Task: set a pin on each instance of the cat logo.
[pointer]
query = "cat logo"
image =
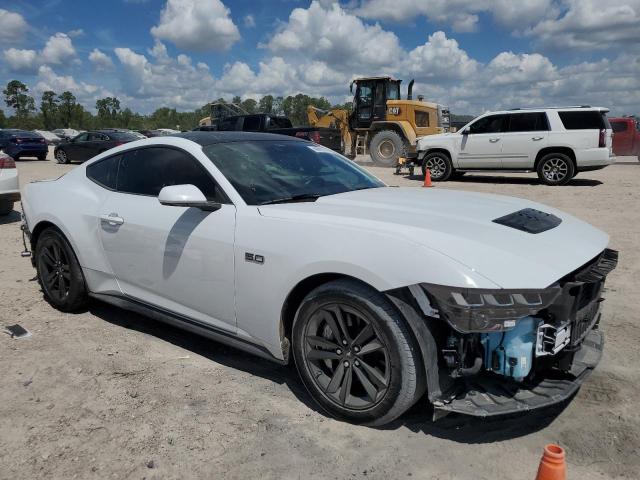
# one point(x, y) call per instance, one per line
point(393, 110)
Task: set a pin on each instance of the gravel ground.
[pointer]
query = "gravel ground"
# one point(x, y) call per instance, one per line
point(110, 394)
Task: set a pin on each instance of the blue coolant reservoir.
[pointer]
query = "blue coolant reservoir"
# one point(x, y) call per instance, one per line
point(511, 353)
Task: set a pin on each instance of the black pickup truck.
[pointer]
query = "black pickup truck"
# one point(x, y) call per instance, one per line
point(264, 122)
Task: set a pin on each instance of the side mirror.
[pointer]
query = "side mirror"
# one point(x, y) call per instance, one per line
point(186, 196)
point(464, 131)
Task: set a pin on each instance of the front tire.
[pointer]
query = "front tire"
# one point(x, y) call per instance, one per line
point(355, 353)
point(61, 156)
point(59, 272)
point(439, 165)
point(386, 148)
point(556, 169)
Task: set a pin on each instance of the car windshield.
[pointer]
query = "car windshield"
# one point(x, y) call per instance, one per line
point(275, 171)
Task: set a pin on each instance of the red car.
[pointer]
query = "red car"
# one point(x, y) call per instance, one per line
point(626, 136)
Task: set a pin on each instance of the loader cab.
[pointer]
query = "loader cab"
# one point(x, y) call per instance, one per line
point(370, 100)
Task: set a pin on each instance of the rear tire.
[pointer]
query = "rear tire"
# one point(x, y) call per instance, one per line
point(440, 166)
point(386, 147)
point(59, 273)
point(333, 327)
point(61, 156)
point(555, 169)
point(6, 207)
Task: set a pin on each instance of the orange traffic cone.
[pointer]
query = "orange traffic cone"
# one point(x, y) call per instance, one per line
point(552, 465)
point(427, 178)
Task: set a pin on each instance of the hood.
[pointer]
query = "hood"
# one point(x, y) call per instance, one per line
point(459, 225)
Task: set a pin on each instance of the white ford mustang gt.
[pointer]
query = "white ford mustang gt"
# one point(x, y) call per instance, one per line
point(485, 304)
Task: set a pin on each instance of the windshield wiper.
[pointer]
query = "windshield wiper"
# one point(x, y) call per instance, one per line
point(303, 197)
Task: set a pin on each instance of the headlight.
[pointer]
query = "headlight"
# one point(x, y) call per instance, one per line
point(480, 310)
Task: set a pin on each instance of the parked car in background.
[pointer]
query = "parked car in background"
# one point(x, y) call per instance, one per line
point(489, 304)
point(89, 144)
point(626, 136)
point(263, 122)
point(153, 133)
point(23, 143)
point(9, 186)
point(50, 137)
point(557, 143)
point(66, 133)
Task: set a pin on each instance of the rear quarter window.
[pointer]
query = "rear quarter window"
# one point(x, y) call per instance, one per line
point(587, 120)
point(105, 172)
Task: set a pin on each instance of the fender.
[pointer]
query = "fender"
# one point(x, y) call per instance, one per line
point(404, 126)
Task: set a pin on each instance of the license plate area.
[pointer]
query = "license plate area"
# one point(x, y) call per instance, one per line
point(552, 339)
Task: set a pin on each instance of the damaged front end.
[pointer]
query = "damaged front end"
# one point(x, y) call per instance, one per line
point(504, 351)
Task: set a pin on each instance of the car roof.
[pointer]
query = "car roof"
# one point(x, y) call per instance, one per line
point(577, 108)
point(209, 138)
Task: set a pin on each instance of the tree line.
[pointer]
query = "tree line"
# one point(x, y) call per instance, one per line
point(62, 110)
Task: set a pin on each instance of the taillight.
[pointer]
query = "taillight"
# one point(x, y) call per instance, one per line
point(602, 140)
point(6, 162)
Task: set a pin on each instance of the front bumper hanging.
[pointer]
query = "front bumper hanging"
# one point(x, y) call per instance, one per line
point(489, 395)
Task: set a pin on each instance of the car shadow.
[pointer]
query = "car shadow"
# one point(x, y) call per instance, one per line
point(210, 349)
point(575, 182)
point(11, 217)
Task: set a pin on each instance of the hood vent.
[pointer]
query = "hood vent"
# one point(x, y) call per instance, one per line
point(529, 220)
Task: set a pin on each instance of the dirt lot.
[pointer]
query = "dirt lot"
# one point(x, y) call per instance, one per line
point(109, 394)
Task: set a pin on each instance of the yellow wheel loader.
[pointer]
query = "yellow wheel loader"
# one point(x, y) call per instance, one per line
point(380, 122)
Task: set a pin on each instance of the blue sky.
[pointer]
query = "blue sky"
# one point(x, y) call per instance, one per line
point(471, 55)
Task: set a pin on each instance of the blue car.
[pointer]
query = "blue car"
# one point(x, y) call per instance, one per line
point(22, 143)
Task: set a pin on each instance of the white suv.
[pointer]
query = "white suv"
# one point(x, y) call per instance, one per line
point(557, 143)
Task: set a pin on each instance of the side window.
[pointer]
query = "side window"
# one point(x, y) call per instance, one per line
point(365, 94)
point(105, 172)
point(82, 137)
point(528, 122)
point(251, 123)
point(146, 171)
point(488, 124)
point(619, 127)
point(583, 120)
point(380, 94)
point(228, 124)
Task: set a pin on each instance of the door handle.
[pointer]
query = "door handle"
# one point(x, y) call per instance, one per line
point(494, 140)
point(112, 219)
point(535, 139)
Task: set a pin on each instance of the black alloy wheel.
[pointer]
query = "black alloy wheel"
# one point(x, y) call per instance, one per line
point(59, 272)
point(356, 354)
point(349, 360)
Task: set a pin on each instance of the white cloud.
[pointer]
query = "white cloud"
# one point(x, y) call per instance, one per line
point(440, 58)
point(332, 35)
point(197, 25)
point(461, 15)
point(21, 60)
point(85, 93)
point(163, 81)
point(590, 24)
point(100, 60)
point(58, 50)
point(12, 27)
point(249, 21)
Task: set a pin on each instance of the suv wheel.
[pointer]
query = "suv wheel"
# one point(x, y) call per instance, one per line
point(439, 165)
point(386, 147)
point(59, 272)
point(555, 169)
point(61, 156)
point(355, 354)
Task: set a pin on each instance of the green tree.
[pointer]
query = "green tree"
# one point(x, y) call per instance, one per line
point(249, 105)
point(49, 109)
point(265, 105)
point(108, 111)
point(67, 108)
point(16, 96)
point(3, 119)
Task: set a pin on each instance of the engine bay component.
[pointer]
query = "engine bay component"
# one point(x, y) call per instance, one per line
point(551, 339)
point(510, 353)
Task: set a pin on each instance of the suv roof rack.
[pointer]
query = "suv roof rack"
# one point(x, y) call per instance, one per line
point(550, 108)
